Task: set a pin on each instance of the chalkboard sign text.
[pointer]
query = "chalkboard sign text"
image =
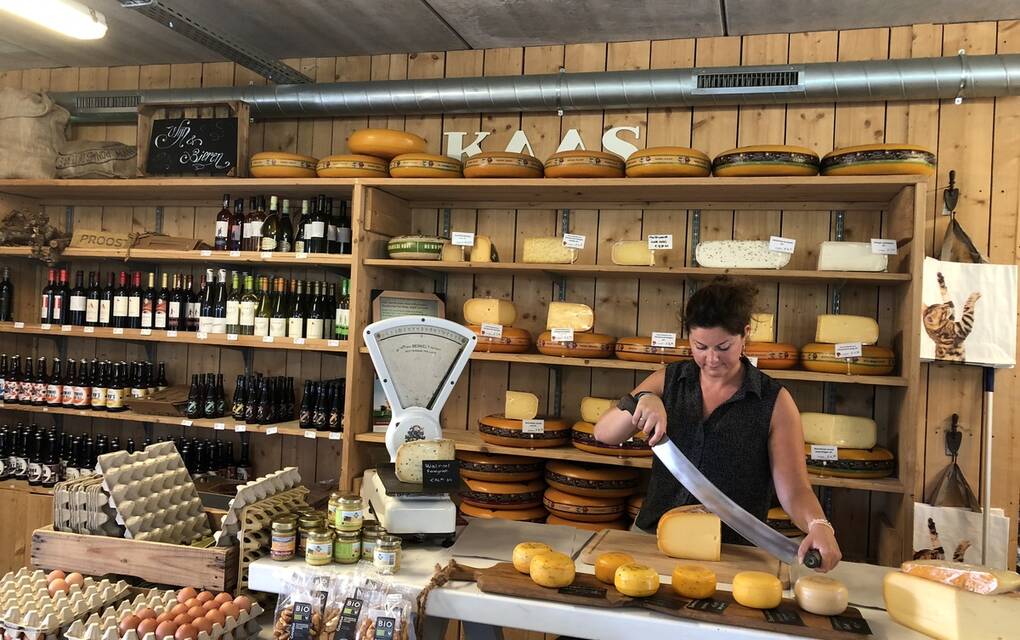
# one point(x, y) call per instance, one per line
point(192, 145)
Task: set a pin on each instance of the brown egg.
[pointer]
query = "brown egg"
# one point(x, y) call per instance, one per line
point(243, 602)
point(186, 594)
point(130, 621)
point(58, 585)
point(202, 625)
point(230, 610)
point(75, 578)
point(183, 619)
point(178, 609)
point(192, 602)
point(216, 617)
point(147, 625)
point(53, 575)
point(223, 597)
point(145, 614)
point(196, 612)
point(165, 630)
point(186, 632)
point(205, 596)
point(166, 616)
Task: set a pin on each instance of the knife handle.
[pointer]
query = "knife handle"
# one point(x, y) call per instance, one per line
point(812, 559)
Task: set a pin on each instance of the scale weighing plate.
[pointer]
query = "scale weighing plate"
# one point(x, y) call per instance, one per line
point(397, 489)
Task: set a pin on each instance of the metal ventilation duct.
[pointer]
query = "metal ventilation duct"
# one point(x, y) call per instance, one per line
point(912, 79)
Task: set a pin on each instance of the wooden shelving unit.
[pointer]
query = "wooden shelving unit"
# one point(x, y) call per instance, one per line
point(201, 256)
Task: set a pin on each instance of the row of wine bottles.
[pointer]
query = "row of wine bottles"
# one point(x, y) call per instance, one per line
point(257, 399)
point(322, 405)
point(97, 385)
point(320, 227)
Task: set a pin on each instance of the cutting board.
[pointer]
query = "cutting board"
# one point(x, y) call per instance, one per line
point(643, 548)
point(586, 590)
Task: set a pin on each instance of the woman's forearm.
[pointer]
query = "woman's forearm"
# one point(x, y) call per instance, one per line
point(802, 506)
point(615, 426)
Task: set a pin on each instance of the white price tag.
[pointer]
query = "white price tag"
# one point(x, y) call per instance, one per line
point(118, 331)
point(240, 428)
point(90, 329)
point(782, 245)
point(146, 332)
point(201, 335)
point(753, 360)
point(171, 334)
point(186, 423)
point(332, 343)
point(300, 256)
point(562, 335)
point(66, 327)
point(659, 241)
point(663, 339)
point(219, 426)
point(205, 253)
point(462, 239)
point(533, 426)
point(267, 338)
point(266, 254)
point(46, 409)
point(334, 435)
point(299, 340)
point(883, 246)
point(272, 431)
point(19, 325)
point(573, 241)
point(827, 452)
point(310, 434)
point(46, 327)
point(235, 254)
point(491, 330)
point(231, 337)
point(849, 350)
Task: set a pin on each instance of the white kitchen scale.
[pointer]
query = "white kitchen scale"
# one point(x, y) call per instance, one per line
point(418, 360)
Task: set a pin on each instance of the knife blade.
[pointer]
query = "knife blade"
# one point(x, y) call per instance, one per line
point(738, 519)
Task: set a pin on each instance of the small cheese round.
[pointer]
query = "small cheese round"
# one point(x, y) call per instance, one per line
point(757, 590)
point(694, 581)
point(552, 569)
point(821, 595)
point(525, 551)
point(636, 580)
point(607, 563)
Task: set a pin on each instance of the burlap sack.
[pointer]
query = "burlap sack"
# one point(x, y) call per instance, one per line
point(32, 131)
point(96, 159)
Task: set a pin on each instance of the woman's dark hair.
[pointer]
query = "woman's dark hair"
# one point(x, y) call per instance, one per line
point(725, 303)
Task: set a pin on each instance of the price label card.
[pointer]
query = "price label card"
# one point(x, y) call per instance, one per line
point(335, 435)
point(783, 616)
point(201, 335)
point(205, 253)
point(299, 340)
point(533, 426)
point(118, 331)
point(826, 452)
point(46, 409)
point(19, 325)
point(267, 338)
point(272, 431)
point(490, 330)
point(849, 350)
point(663, 339)
point(333, 343)
point(782, 245)
point(884, 246)
point(301, 256)
point(385, 628)
point(231, 337)
point(301, 623)
point(573, 241)
point(171, 334)
point(708, 604)
point(310, 434)
point(146, 332)
point(219, 426)
point(753, 360)
point(347, 628)
point(240, 428)
point(562, 335)
point(583, 591)
point(462, 239)
point(235, 254)
point(66, 327)
point(265, 255)
point(660, 241)
point(186, 423)
point(851, 625)
point(90, 329)
point(440, 474)
point(46, 327)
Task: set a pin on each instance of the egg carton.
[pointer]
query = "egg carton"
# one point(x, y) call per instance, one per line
point(255, 536)
point(82, 506)
point(28, 611)
point(97, 624)
point(250, 493)
point(153, 495)
point(106, 627)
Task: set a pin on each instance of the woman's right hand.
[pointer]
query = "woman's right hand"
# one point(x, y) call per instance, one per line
point(650, 417)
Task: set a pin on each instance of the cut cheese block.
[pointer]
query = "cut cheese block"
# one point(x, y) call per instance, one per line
point(452, 253)
point(385, 143)
point(547, 250)
point(411, 454)
point(584, 164)
point(853, 463)
point(850, 256)
point(497, 468)
point(879, 159)
point(505, 432)
point(424, 165)
point(640, 349)
point(584, 345)
point(483, 251)
point(766, 160)
point(520, 405)
point(502, 164)
point(668, 162)
point(596, 481)
point(583, 437)
point(633, 253)
point(634, 504)
point(970, 577)
point(781, 522)
point(853, 432)
point(503, 495)
point(489, 310)
point(570, 315)
point(739, 254)
point(691, 533)
point(947, 613)
point(352, 166)
point(525, 551)
point(607, 563)
point(552, 569)
point(415, 247)
point(757, 590)
point(875, 361)
point(821, 595)
point(593, 408)
point(845, 328)
point(513, 340)
point(694, 581)
point(535, 514)
point(636, 580)
point(763, 327)
point(582, 508)
point(279, 164)
point(618, 525)
point(772, 355)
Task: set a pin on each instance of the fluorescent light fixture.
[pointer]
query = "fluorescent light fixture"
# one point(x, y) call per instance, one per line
point(63, 16)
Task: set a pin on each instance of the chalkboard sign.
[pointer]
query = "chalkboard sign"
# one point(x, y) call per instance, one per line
point(439, 474)
point(192, 145)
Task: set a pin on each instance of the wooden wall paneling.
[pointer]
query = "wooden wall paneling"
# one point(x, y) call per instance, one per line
point(392, 66)
point(12, 550)
point(91, 79)
point(125, 77)
point(347, 69)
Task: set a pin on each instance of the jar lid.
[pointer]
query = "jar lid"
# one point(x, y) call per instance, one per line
point(350, 498)
point(388, 540)
point(335, 495)
point(284, 523)
point(321, 535)
point(348, 536)
point(312, 521)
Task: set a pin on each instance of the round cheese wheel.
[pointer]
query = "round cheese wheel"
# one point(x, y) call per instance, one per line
point(583, 437)
point(606, 565)
point(821, 357)
point(385, 143)
point(773, 355)
point(352, 166)
point(640, 349)
point(821, 595)
point(584, 164)
point(506, 432)
point(496, 468)
point(853, 463)
point(757, 590)
point(503, 495)
point(597, 481)
point(582, 508)
point(525, 551)
point(879, 159)
point(617, 525)
point(279, 164)
point(552, 569)
point(694, 581)
point(425, 165)
point(534, 514)
point(636, 580)
point(585, 345)
point(415, 247)
point(668, 162)
point(781, 522)
point(513, 340)
point(502, 164)
point(766, 160)
point(634, 504)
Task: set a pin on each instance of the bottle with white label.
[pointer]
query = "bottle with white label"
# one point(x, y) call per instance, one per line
point(159, 320)
point(76, 304)
point(135, 301)
point(92, 301)
point(120, 303)
point(278, 314)
point(234, 304)
point(296, 319)
point(315, 324)
point(223, 225)
point(263, 312)
point(219, 317)
point(249, 302)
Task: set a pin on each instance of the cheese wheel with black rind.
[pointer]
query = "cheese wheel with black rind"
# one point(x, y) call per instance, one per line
point(584, 164)
point(582, 508)
point(279, 164)
point(503, 164)
point(773, 355)
point(415, 247)
point(583, 437)
point(668, 162)
point(853, 463)
point(499, 468)
point(425, 165)
point(513, 340)
point(352, 166)
point(503, 495)
point(597, 481)
point(634, 504)
point(640, 349)
point(766, 160)
point(535, 514)
point(498, 430)
point(879, 159)
point(617, 525)
point(874, 360)
point(584, 345)
point(385, 143)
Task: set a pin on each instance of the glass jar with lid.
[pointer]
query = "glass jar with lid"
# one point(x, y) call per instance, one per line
point(349, 513)
point(307, 523)
point(347, 547)
point(334, 500)
point(284, 539)
point(319, 547)
point(369, 538)
point(387, 555)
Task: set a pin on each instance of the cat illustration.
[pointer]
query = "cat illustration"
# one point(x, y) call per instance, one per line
point(940, 323)
point(937, 552)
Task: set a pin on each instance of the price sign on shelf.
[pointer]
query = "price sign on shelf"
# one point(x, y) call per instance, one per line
point(533, 426)
point(219, 426)
point(562, 335)
point(335, 435)
point(782, 245)
point(660, 241)
point(490, 330)
point(171, 334)
point(240, 428)
point(118, 331)
point(663, 339)
point(825, 452)
point(310, 435)
point(272, 431)
point(462, 239)
point(883, 246)
point(89, 329)
point(849, 350)
point(573, 241)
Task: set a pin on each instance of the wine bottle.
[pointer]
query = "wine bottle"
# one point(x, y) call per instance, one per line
point(46, 308)
point(235, 238)
point(193, 305)
point(161, 382)
point(209, 401)
point(264, 406)
point(173, 307)
point(289, 399)
point(219, 304)
point(251, 399)
point(284, 230)
point(34, 471)
point(336, 408)
point(12, 383)
point(77, 302)
point(296, 321)
point(55, 385)
point(115, 392)
point(221, 397)
point(61, 300)
point(331, 220)
point(222, 233)
point(263, 313)
point(343, 229)
point(92, 297)
point(249, 302)
point(315, 228)
point(205, 319)
point(135, 301)
point(320, 416)
point(316, 317)
point(106, 302)
point(100, 383)
point(329, 306)
point(234, 304)
point(6, 297)
point(40, 383)
point(121, 306)
point(159, 320)
point(244, 469)
point(237, 406)
point(252, 209)
point(270, 227)
point(148, 316)
point(195, 401)
point(343, 310)
point(27, 385)
point(278, 314)
point(50, 472)
point(67, 388)
point(300, 246)
point(82, 388)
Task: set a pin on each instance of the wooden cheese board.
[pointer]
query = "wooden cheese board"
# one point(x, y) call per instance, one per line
point(586, 590)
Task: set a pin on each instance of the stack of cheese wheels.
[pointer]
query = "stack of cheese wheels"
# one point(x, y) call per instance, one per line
point(762, 348)
point(502, 164)
point(584, 164)
point(352, 166)
point(853, 438)
point(668, 162)
point(766, 160)
point(399, 153)
point(569, 333)
point(491, 319)
point(589, 496)
point(833, 330)
point(279, 164)
point(519, 425)
point(640, 349)
point(505, 476)
point(779, 520)
point(583, 432)
point(879, 159)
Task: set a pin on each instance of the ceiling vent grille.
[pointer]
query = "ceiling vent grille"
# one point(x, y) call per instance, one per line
point(100, 102)
point(748, 81)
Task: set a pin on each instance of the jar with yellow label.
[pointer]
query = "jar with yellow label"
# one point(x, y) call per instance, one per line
point(349, 513)
point(347, 547)
point(369, 538)
point(334, 500)
point(387, 555)
point(307, 523)
point(319, 547)
point(284, 539)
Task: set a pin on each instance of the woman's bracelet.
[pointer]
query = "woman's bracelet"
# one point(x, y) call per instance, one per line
point(823, 522)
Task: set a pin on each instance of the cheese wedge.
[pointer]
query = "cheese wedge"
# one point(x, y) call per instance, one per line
point(971, 577)
point(521, 405)
point(821, 595)
point(633, 253)
point(483, 251)
point(850, 256)
point(549, 250)
point(489, 310)
point(842, 431)
point(757, 590)
point(452, 253)
point(593, 408)
point(570, 315)
point(691, 533)
point(411, 454)
point(833, 329)
point(763, 327)
point(739, 254)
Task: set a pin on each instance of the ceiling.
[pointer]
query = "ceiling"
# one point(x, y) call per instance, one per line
point(314, 28)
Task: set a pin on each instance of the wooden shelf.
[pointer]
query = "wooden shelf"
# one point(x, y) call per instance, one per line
point(211, 190)
point(23, 487)
point(471, 441)
point(202, 256)
point(185, 337)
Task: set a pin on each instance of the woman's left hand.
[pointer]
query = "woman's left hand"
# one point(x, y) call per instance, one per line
point(821, 538)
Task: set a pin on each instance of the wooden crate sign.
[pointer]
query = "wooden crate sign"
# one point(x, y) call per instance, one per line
point(208, 139)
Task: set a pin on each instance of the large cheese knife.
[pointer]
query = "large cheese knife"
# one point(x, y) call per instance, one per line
point(753, 529)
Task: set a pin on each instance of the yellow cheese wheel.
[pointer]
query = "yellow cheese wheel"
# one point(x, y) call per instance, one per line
point(513, 340)
point(385, 143)
point(821, 595)
point(352, 166)
point(552, 569)
point(505, 432)
point(584, 164)
point(766, 160)
point(497, 468)
point(279, 164)
point(879, 159)
point(694, 581)
point(640, 349)
point(597, 481)
point(636, 580)
point(584, 345)
point(821, 357)
point(668, 162)
point(583, 437)
point(534, 514)
point(525, 551)
point(773, 355)
point(503, 495)
point(582, 508)
point(606, 565)
point(425, 165)
point(618, 525)
point(757, 590)
point(853, 463)
point(502, 164)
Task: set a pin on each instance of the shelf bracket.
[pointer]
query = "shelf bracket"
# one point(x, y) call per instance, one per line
point(557, 390)
point(561, 281)
point(692, 285)
point(69, 219)
point(442, 278)
point(159, 220)
point(839, 237)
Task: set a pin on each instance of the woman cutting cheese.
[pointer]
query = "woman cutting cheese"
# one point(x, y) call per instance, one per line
point(740, 427)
